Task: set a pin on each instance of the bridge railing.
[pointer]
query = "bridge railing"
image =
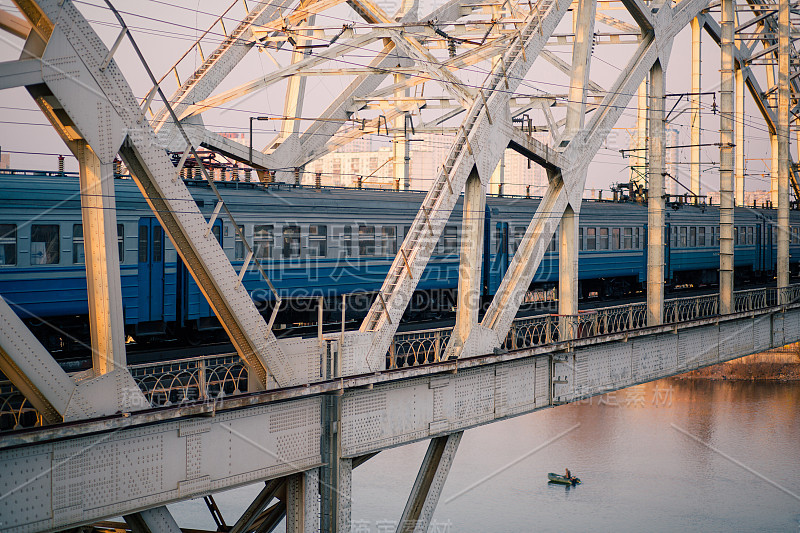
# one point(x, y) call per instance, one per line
point(210, 377)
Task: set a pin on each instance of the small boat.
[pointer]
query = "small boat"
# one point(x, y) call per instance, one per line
point(556, 478)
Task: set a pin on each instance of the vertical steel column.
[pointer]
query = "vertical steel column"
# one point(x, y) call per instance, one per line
point(655, 199)
point(302, 502)
point(694, 157)
point(782, 111)
point(584, 17)
point(336, 474)
point(581, 57)
point(99, 215)
point(739, 149)
point(429, 483)
point(773, 170)
point(726, 116)
point(295, 90)
point(568, 264)
point(469, 271)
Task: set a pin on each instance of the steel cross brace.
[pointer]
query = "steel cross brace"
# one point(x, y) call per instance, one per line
point(105, 112)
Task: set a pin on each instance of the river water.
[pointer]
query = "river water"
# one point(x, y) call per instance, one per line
point(671, 455)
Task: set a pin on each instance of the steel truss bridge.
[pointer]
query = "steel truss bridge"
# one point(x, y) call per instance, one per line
point(111, 445)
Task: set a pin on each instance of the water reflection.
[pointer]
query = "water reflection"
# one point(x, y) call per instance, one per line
point(638, 468)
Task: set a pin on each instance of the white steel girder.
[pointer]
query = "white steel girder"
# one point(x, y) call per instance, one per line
point(183, 452)
point(479, 145)
point(104, 111)
point(429, 483)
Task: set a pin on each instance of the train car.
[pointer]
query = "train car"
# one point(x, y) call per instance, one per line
point(329, 242)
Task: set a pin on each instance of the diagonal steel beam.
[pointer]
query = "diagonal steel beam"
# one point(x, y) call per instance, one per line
point(481, 128)
point(102, 106)
point(221, 62)
point(567, 189)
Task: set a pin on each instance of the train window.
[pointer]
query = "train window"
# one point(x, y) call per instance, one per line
point(263, 241)
point(8, 244)
point(519, 233)
point(554, 242)
point(603, 244)
point(627, 238)
point(450, 238)
point(591, 239)
point(682, 237)
point(750, 239)
point(498, 231)
point(77, 244)
point(291, 242)
point(637, 237)
point(701, 236)
point(158, 244)
point(121, 242)
point(693, 236)
point(45, 244)
point(388, 240)
point(143, 243)
point(238, 247)
point(615, 239)
point(674, 238)
point(366, 240)
point(318, 241)
point(580, 238)
point(347, 241)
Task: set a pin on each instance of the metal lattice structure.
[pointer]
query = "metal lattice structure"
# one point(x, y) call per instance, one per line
point(470, 65)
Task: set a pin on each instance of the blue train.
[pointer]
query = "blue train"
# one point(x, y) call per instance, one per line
point(327, 242)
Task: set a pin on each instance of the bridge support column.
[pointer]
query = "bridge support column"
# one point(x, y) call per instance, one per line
point(655, 199)
point(784, 104)
point(469, 271)
point(694, 157)
point(98, 209)
point(429, 483)
point(739, 150)
point(302, 502)
point(336, 474)
point(568, 264)
point(726, 115)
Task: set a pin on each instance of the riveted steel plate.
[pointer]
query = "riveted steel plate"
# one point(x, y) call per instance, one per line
point(777, 330)
point(762, 333)
point(515, 387)
point(791, 326)
point(654, 356)
point(385, 416)
point(542, 390)
point(697, 348)
point(735, 339)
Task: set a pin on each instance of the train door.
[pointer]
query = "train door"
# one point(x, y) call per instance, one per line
point(192, 306)
point(151, 270)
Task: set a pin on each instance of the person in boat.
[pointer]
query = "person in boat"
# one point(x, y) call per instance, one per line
point(568, 474)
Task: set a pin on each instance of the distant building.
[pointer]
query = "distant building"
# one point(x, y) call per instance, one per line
point(5, 160)
point(372, 162)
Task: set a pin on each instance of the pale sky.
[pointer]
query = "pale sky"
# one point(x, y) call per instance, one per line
point(165, 30)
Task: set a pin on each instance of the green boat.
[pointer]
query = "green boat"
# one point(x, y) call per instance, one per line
point(556, 478)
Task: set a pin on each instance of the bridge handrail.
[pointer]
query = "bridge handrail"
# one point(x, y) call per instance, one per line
point(213, 376)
